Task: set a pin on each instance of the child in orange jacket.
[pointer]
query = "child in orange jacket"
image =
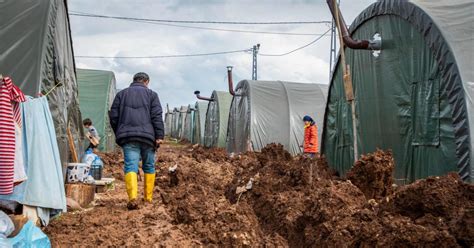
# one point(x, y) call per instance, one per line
point(310, 146)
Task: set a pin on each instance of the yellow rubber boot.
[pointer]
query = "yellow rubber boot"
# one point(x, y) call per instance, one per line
point(131, 184)
point(149, 186)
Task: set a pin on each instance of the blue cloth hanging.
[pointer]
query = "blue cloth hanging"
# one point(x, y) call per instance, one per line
point(45, 185)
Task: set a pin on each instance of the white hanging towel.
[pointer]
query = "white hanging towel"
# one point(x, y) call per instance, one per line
point(19, 165)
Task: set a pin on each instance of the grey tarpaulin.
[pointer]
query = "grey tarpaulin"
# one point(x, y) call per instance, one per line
point(36, 51)
point(168, 117)
point(199, 122)
point(168, 121)
point(175, 123)
point(423, 81)
point(264, 112)
point(189, 124)
point(181, 119)
point(217, 116)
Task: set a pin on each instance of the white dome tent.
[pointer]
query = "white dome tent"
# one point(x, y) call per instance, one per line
point(264, 112)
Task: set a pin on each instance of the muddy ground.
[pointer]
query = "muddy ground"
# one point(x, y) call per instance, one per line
point(271, 199)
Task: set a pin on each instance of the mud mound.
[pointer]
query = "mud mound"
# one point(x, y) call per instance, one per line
point(273, 152)
point(270, 199)
point(364, 228)
point(443, 202)
point(197, 204)
point(372, 173)
point(214, 154)
point(298, 215)
point(331, 212)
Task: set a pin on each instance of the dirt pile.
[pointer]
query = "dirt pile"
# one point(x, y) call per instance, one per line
point(332, 212)
point(272, 199)
point(201, 154)
point(372, 173)
point(444, 203)
point(197, 204)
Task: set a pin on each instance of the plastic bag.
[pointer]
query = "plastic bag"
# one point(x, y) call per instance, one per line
point(29, 236)
point(89, 157)
point(6, 225)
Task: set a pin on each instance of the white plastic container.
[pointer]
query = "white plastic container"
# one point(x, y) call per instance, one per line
point(77, 172)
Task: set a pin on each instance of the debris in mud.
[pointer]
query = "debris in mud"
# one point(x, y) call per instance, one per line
point(372, 173)
point(173, 175)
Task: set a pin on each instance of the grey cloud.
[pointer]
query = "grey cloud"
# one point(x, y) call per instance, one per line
point(176, 79)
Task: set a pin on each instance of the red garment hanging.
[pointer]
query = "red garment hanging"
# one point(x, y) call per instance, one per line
point(9, 94)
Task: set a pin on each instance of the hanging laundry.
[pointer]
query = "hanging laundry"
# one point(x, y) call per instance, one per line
point(8, 93)
point(19, 165)
point(45, 185)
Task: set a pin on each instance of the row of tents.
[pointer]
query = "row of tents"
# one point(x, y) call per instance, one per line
point(256, 114)
point(414, 97)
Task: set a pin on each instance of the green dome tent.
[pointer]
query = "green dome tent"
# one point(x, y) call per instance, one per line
point(217, 116)
point(264, 112)
point(36, 52)
point(97, 90)
point(415, 97)
point(199, 122)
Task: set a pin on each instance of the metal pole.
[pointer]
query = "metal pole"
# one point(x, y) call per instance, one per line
point(254, 61)
point(332, 54)
point(348, 88)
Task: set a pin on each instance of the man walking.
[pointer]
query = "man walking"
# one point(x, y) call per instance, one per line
point(136, 118)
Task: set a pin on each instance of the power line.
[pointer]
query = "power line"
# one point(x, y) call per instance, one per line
point(203, 54)
point(72, 13)
point(165, 56)
point(299, 48)
point(220, 29)
point(229, 30)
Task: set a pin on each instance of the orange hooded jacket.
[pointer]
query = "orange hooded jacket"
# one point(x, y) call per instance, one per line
point(311, 139)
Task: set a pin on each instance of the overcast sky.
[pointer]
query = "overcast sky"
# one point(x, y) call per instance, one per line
point(175, 79)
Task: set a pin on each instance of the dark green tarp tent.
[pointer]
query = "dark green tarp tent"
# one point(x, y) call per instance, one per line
point(415, 97)
point(97, 90)
point(36, 52)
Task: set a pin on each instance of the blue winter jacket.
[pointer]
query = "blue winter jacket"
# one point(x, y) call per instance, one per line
point(136, 115)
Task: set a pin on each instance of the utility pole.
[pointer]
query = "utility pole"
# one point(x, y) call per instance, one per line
point(332, 55)
point(254, 64)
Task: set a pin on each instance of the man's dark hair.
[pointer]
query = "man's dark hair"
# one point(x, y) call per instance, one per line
point(141, 77)
point(87, 122)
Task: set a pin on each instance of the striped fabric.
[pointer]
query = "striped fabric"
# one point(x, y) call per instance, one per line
point(8, 93)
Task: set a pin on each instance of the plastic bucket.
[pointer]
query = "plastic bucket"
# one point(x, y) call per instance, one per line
point(96, 172)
